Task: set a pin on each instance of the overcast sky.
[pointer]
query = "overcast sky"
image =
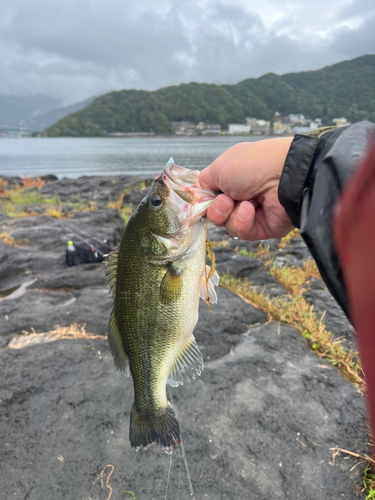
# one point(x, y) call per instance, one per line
point(74, 49)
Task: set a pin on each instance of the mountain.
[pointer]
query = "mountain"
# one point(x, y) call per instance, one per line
point(344, 89)
point(43, 120)
point(15, 110)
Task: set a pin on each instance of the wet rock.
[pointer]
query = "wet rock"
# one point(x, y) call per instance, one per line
point(135, 197)
point(260, 421)
point(97, 189)
point(229, 317)
point(294, 254)
point(218, 234)
point(42, 310)
point(334, 318)
point(48, 233)
point(235, 264)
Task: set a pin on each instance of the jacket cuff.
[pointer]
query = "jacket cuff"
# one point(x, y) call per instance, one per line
point(294, 175)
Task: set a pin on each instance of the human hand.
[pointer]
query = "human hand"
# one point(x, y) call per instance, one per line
point(248, 175)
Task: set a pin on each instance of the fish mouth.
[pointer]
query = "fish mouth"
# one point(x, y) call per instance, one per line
point(184, 183)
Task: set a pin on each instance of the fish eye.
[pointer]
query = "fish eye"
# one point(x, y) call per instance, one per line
point(156, 201)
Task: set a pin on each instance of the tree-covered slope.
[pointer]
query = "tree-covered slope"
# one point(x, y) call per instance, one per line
point(344, 89)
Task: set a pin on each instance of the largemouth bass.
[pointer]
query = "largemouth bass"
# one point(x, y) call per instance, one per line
point(157, 277)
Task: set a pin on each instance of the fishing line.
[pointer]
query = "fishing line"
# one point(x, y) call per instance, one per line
point(182, 450)
point(76, 233)
point(169, 473)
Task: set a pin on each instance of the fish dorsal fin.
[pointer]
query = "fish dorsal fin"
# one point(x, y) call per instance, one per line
point(111, 271)
point(187, 365)
point(115, 344)
point(171, 160)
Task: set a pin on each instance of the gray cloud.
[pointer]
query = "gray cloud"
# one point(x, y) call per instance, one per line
point(79, 48)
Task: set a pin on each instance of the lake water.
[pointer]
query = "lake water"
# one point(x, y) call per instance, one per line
point(74, 157)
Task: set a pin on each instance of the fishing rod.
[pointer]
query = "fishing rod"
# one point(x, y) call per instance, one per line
point(76, 233)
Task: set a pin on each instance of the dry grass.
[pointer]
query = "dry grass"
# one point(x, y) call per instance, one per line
point(28, 183)
point(74, 331)
point(298, 313)
point(219, 244)
point(57, 213)
point(125, 213)
point(293, 234)
point(118, 203)
point(262, 252)
point(295, 278)
point(7, 239)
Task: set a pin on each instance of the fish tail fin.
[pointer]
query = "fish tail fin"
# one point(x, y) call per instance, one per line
point(162, 429)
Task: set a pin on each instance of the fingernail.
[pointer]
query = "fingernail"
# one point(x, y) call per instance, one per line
point(243, 211)
point(221, 206)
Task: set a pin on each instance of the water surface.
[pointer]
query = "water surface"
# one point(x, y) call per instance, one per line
point(74, 157)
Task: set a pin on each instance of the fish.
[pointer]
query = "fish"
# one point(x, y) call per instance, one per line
point(157, 277)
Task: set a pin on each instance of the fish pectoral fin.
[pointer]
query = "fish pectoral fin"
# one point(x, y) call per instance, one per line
point(207, 290)
point(188, 364)
point(111, 271)
point(171, 285)
point(115, 344)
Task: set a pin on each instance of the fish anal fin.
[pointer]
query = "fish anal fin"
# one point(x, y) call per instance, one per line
point(171, 285)
point(111, 271)
point(115, 344)
point(187, 365)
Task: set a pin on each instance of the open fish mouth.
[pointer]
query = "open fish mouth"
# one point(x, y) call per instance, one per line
point(184, 183)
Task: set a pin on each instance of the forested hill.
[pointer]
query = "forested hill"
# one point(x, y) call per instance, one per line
point(344, 89)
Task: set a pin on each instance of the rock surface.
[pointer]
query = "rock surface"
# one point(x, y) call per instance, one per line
point(258, 424)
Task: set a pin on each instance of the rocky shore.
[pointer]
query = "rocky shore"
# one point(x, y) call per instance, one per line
point(263, 421)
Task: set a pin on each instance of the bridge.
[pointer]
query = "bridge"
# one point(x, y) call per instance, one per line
point(16, 130)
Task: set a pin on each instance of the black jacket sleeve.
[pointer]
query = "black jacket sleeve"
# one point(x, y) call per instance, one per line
point(315, 173)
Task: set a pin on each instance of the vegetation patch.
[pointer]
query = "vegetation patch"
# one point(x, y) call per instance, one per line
point(294, 278)
point(285, 241)
point(298, 313)
point(262, 252)
point(7, 239)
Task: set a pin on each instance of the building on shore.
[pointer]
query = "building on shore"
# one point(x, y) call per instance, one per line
point(183, 128)
point(238, 129)
point(258, 127)
point(282, 128)
point(300, 129)
point(341, 122)
point(208, 128)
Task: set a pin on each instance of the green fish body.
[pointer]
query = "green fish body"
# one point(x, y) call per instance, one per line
point(157, 277)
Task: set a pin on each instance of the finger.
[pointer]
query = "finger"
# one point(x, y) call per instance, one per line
point(220, 209)
point(209, 178)
point(242, 223)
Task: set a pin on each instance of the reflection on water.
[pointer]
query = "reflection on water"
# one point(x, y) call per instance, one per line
point(73, 157)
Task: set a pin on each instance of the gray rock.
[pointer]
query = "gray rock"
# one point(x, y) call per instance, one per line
point(294, 254)
point(235, 264)
point(217, 233)
point(64, 415)
point(334, 318)
point(231, 317)
point(99, 189)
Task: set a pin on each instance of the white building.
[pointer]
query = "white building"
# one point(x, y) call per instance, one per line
point(341, 122)
point(305, 130)
point(258, 127)
point(238, 129)
point(183, 128)
point(208, 128)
